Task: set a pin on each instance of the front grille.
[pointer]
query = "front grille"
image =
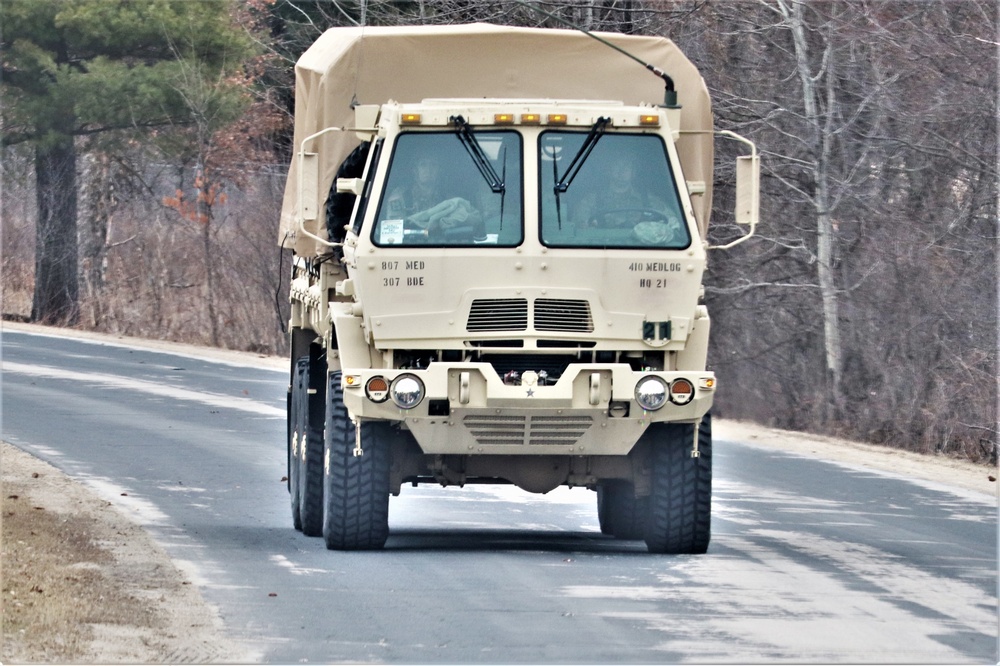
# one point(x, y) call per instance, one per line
point(548, 430)
point(498, 314)
point(553, 314)
point(497, 430)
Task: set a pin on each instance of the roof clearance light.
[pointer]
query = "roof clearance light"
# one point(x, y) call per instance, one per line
point(557, 119)
point(531, 119)
point(650, 119)
point(503, 119)
point(410, 119)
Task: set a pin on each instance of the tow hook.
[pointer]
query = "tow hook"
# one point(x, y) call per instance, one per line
point(358, 451)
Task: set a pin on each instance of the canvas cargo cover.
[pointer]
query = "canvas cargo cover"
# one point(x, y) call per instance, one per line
point(373, 65)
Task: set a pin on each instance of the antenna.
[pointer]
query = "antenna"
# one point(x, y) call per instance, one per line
point(669, 93)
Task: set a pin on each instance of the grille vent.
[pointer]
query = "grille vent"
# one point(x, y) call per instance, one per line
point(497, 430)
point(553, 314)
point(498, 314)
point(490, 430)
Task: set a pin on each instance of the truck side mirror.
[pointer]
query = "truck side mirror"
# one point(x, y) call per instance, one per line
point(748, 189)
point(309, 194)
point(309, 185)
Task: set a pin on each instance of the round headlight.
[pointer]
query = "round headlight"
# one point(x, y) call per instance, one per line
point(651, 393)
point(681, 391)
point(407, 391)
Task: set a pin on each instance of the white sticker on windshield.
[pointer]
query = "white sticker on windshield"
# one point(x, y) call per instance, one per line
point(391, 232)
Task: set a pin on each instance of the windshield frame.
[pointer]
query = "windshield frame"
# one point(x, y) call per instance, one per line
point(512, 197)
point(554, 224)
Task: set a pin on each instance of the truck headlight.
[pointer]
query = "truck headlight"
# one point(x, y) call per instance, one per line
point(651, 393)
point(407, 391)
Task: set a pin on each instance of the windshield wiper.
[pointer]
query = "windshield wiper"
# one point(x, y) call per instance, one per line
point(471, 144)
point(595, 134)
point(562, 184)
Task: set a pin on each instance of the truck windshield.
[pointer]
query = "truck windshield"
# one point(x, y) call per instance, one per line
point(435, 194)
point(623, 196)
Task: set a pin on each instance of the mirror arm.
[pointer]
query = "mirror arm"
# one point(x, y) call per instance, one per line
point(302, 216)
point(753, 159)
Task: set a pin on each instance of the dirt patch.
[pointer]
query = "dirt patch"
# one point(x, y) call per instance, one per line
point(83, 584)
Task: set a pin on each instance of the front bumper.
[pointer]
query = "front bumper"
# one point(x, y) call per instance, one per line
point(467, 409)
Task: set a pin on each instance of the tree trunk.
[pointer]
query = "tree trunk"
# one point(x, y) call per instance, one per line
point(56, 297)
point(213, 321)
point(826, 253)
point(821, 144)
point(97, 194)
point(204, 217)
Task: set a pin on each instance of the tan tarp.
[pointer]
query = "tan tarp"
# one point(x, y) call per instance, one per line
point(373, 65)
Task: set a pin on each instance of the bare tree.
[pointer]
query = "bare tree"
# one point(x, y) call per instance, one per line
point(880, 189)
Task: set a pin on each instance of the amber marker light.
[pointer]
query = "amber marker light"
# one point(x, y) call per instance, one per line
point(557, 119)
point(410, 119)
point(531, 119)
point(650, 119)
point(503, 119)
point(377, 389)
point(681, 391)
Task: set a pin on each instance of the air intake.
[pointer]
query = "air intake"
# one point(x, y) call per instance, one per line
point(569, 316)
point(498, 314)
point(497, 430)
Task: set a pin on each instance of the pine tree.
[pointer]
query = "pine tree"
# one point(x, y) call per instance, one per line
point(74, 68)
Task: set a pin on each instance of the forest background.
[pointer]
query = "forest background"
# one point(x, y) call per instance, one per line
point(145, 145)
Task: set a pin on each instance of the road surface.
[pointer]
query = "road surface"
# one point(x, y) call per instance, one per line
point(810, 561)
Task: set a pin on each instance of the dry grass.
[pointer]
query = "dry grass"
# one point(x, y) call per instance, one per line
point(83, 584)
point(55, 588)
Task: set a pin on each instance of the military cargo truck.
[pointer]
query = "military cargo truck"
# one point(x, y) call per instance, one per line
point(499, 240)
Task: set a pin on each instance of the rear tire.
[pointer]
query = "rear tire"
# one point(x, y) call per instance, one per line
point(297, 419)
point(311, 452)
point(356, 489)
point(620, 513)
point(679, 514)
point(305, 446)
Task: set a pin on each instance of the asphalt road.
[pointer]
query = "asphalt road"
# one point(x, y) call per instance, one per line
point(810, 561)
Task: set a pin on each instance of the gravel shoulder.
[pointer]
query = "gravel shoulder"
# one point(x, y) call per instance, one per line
point(84, 584)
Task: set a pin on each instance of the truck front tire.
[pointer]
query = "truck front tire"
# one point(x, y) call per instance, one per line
point(355, 488)
point(678, 519)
